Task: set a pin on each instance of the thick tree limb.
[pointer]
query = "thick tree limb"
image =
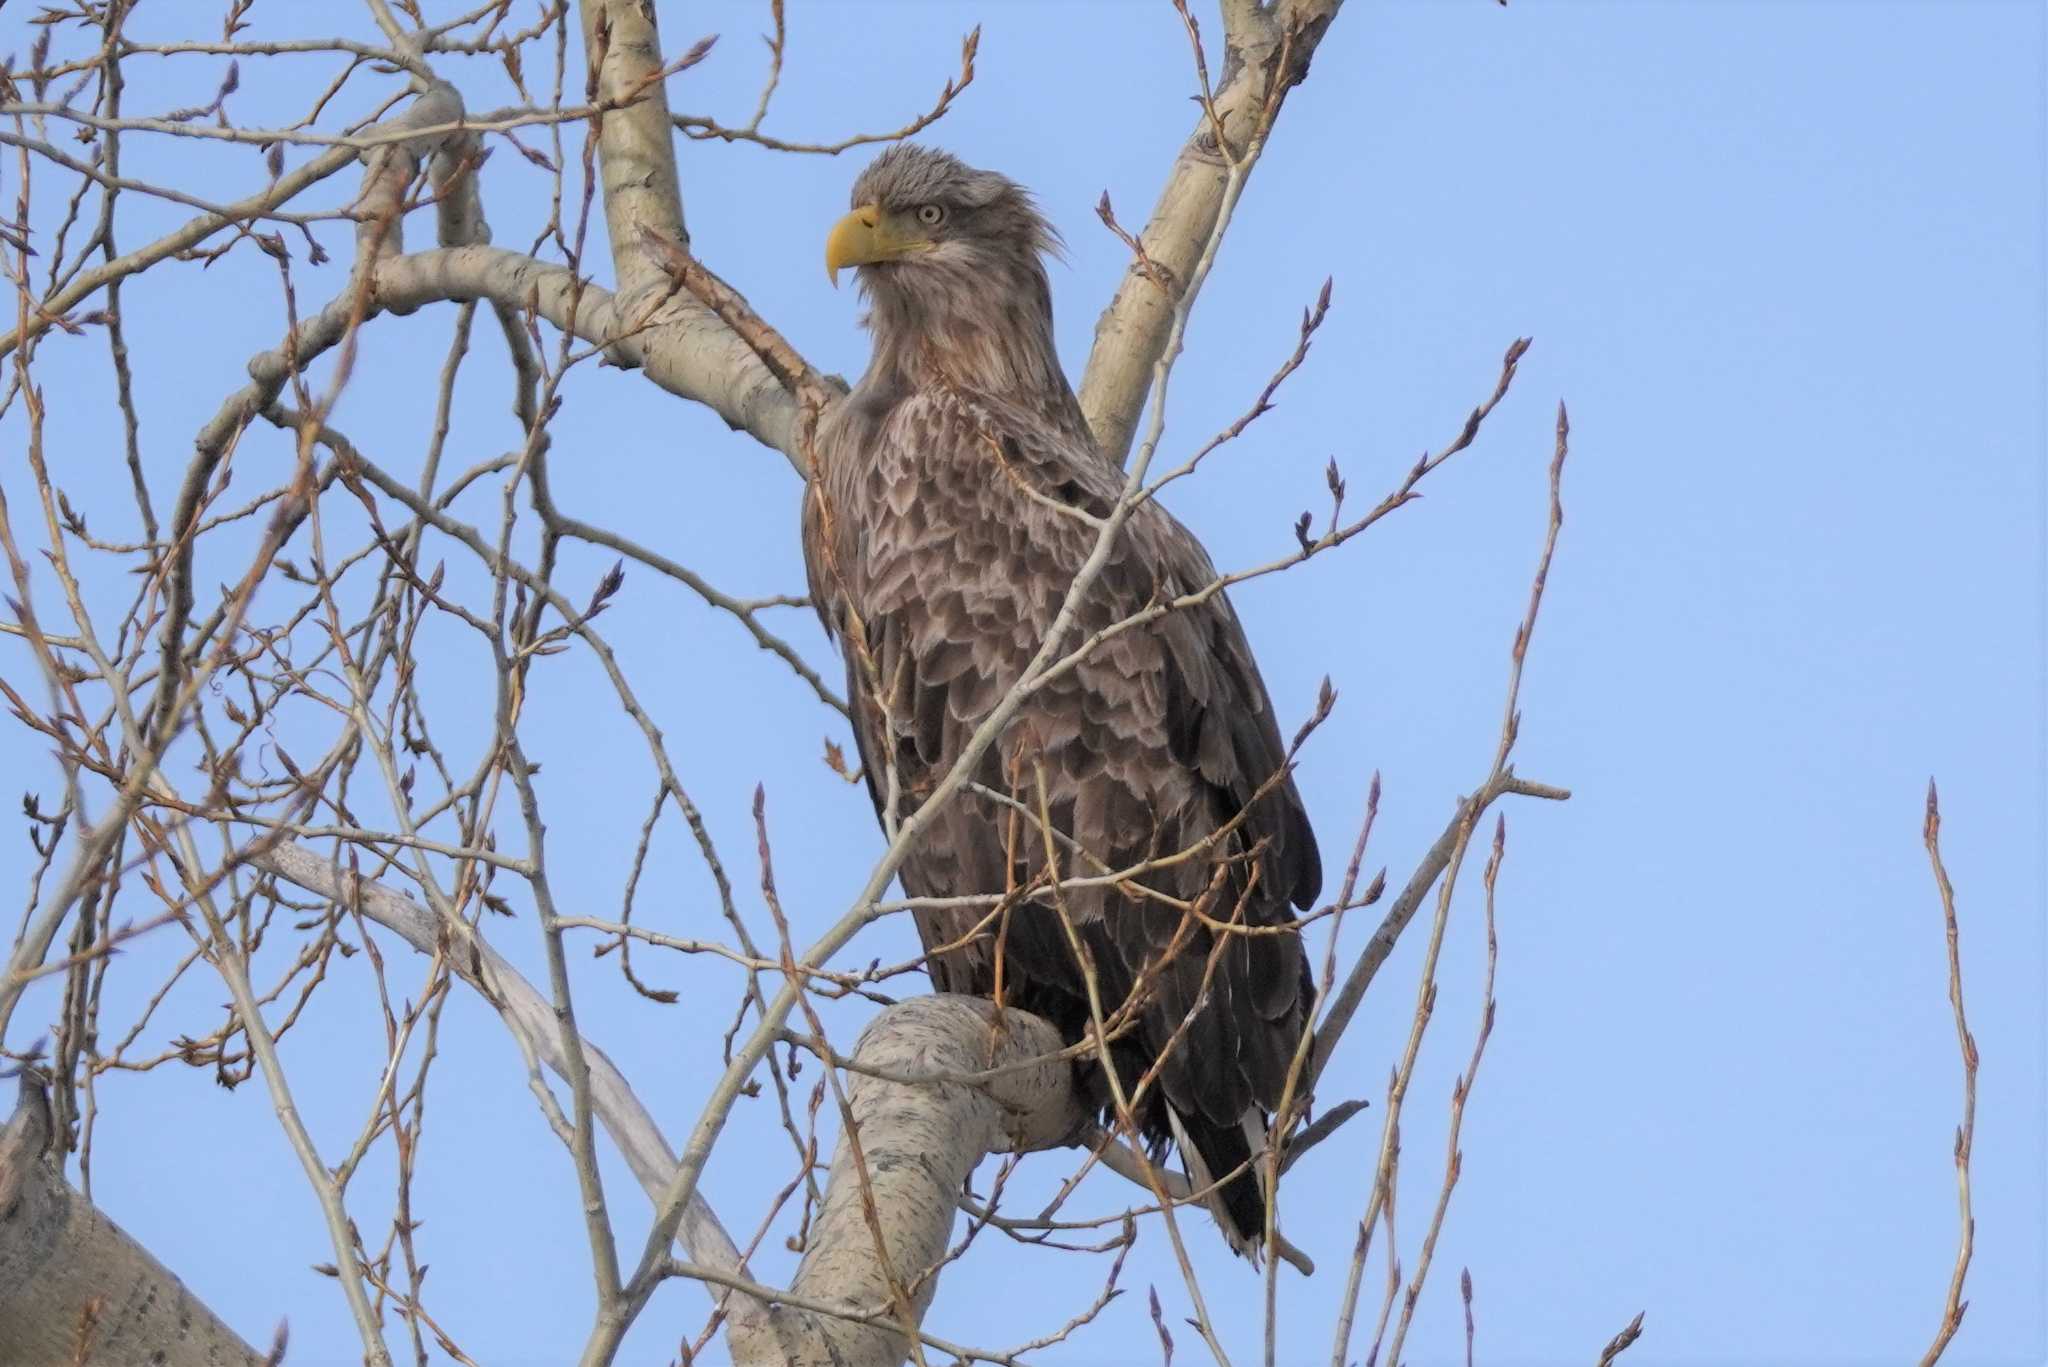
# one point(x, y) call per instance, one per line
point(1266, 52)
point(690, 353)
point(688, 350)
point(635, 147)
point(73, 1286)
point(643, 206)
point(917, 1145)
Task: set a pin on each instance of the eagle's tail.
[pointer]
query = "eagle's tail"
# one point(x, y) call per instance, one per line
point(1208, 1149)
point(1239, 1204)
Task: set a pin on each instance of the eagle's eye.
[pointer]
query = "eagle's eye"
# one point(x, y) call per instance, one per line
point(931, 215)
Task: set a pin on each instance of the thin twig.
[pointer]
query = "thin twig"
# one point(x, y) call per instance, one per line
point(1966, 1133)
point(1620, 1342)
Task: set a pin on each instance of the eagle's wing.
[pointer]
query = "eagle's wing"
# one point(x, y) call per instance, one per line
point(886, 544)
point(947, 549)
point(1222, 746)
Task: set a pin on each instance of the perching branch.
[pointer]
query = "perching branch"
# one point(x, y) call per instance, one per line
point(920, 1142)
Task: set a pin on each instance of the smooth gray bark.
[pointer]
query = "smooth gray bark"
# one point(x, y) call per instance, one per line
point(883, 1228)
point(1265, 52)
point(75, 1288)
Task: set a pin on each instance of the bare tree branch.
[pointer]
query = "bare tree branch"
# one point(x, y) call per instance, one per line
point(532, 1020)
point(1266, 52)
point(636, 152)
point(1620, 1343)
point(688, 352)
point(643, 206)
point(1966, 1133)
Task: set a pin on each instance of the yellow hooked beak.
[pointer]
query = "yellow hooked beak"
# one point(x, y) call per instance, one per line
point(866, 236)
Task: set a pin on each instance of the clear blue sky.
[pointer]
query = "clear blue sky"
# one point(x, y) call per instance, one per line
point(1785, 263)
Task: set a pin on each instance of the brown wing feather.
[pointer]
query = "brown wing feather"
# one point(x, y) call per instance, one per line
point(936, 559)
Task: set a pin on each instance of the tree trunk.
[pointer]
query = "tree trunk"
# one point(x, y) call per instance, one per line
point(76, 1289)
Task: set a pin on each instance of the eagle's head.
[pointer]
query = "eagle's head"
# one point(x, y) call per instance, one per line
point(919, 212)
point(950, 263)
